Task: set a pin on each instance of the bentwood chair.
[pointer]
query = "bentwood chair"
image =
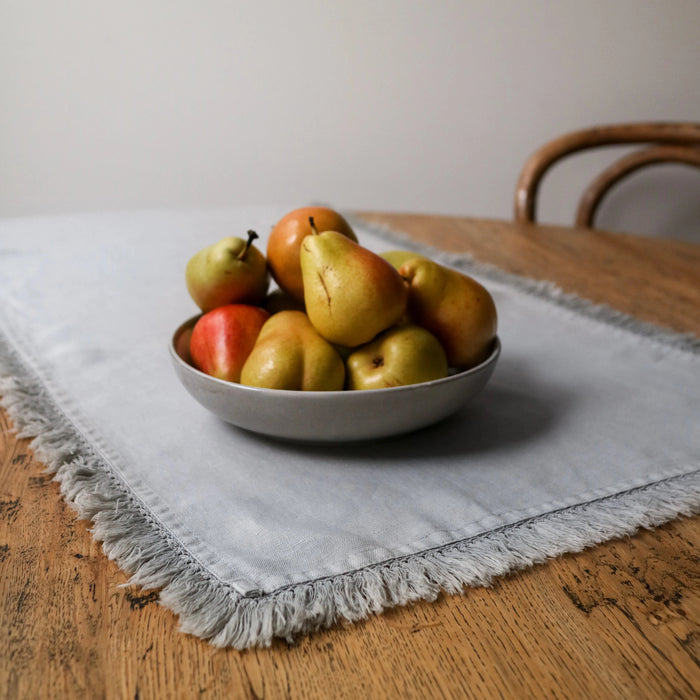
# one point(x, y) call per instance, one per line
point(662, 142)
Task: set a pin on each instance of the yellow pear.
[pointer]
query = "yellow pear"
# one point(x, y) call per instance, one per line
point(398, 356)
point(290, 354)
point(453, 306)
point(351, 293)
point(399, 257)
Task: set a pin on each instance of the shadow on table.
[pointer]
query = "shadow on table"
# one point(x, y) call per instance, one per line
point(516, 408)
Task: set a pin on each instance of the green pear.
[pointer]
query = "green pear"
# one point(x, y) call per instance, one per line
point(290, 354)
point(232, 271)
point(459, 311)
point(351, 294)
point(400, 355)
point(399, 257)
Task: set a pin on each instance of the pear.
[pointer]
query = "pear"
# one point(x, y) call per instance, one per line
point(230, 271)
point(290, 354)
point(398, 356)
point(222, 339)
point(459, 311)
point(351, 294)
point(284, 243)
point(399, 257)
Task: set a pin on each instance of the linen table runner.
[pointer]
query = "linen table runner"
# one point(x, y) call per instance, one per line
point(588, 429)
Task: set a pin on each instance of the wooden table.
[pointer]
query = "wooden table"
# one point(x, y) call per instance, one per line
point(621, 620)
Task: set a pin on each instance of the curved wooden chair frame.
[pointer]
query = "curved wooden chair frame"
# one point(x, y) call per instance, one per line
point(594, 194)
point(666, 141)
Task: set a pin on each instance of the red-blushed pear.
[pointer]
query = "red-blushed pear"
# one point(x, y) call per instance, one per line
point(284, 243)
point(290, 354)
point(232, 271)
point(351, 294)
point(223, 338)
point(398, 356)
point(459, 311)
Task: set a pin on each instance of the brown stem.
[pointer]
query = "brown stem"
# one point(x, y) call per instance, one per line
point(251, 237)
point(314, 230)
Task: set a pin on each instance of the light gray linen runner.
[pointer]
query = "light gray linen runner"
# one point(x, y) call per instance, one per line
point(589, 428)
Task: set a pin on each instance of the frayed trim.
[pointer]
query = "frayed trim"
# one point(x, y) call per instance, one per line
point(212, 609)
point(476, 561)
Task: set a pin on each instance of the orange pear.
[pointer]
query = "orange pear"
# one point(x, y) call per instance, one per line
point(284, 243)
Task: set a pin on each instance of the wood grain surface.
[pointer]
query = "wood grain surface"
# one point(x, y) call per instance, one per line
point(621, 620)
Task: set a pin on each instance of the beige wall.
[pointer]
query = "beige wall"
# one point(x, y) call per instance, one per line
point(413, 105)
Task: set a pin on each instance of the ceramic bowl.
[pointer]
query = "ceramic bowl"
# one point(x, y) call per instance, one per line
point(329, 416)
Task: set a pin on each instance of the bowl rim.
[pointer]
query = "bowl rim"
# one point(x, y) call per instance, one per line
point(261, 391)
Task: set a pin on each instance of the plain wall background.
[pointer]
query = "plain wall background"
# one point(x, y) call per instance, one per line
point(407, 105)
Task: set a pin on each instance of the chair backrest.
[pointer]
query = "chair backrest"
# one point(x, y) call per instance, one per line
point(663, 142)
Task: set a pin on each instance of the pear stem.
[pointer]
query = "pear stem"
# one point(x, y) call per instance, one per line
point(251, 237)
point(314, 230)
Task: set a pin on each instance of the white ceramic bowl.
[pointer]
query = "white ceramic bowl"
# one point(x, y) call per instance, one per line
point(329, 416)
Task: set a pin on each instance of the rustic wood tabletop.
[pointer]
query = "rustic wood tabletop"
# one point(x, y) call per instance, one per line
point(621, 620)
